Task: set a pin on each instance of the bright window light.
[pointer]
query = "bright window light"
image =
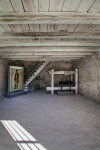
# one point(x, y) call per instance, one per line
point(31, 138)
point(24, 146)
point(32, 146)
point(40, 147)
point(25, 140)
point(12, 131)
point(23, 136)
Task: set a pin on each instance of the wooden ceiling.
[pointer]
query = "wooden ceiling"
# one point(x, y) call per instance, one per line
point(53, 30)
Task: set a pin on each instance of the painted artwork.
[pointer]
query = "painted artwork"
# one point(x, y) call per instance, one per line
point(15, 78)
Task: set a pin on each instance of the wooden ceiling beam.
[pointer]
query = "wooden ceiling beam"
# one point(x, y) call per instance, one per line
point(66, 59)
point(57, 34)
point(49, 18)
point(41, 43)
point(48, 49)
point(45, 53)
point(42, 57)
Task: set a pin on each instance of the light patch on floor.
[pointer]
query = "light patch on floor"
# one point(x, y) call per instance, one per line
point(24, 139)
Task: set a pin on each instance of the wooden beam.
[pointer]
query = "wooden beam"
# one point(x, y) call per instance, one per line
point(51, 43)
point(57, 34)
point(52, 72)
point(44, 57)
point(59, 88)
point(44, 53)
point(50, 59)
point(61, 72)
point(62, 53)
point(48, 49)
point(50, 18)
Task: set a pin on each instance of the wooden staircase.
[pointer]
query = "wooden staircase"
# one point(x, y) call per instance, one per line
point(32, 75)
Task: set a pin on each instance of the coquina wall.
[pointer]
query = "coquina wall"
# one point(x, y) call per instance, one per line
point(3, 77)
point(44, 79)
point(28, 65)
point(89, 76)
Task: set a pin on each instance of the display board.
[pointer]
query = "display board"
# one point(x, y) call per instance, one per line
point(15, 78)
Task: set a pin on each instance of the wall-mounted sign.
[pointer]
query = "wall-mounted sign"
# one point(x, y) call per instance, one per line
point(15, 78)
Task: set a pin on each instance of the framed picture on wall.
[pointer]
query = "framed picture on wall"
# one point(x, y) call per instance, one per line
point(15, 78)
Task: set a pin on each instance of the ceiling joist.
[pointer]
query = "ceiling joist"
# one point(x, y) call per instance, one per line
point(45, 53)
point(48, 49)
point(49, 18)
point(42, 57)
point(54, 60)
point(48, 44)
point(57, 34)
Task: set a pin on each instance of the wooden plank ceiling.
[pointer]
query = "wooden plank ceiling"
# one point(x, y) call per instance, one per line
point(54, 30)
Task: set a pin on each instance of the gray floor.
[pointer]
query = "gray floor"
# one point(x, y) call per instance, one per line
point(57, 122)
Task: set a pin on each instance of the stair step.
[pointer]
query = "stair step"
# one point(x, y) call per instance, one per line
point(36, 73)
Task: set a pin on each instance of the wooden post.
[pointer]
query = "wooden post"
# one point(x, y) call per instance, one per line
point(52, 81)
point(76, 81)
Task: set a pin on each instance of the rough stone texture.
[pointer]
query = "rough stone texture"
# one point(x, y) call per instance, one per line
point(3, 76)
point(89, 76)
point(28, 65)
point(44, 79)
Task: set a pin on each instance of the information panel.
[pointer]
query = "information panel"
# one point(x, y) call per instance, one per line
point(16, 78)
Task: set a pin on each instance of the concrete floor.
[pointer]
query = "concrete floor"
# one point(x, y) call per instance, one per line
point(57, 122)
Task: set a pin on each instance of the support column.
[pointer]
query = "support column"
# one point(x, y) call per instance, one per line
point(76, 81)
point(52, 81)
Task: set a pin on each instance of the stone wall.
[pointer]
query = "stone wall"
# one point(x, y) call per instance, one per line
point(3, 76)
point(43, 79)
point(89, 76)
point(28, 65)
